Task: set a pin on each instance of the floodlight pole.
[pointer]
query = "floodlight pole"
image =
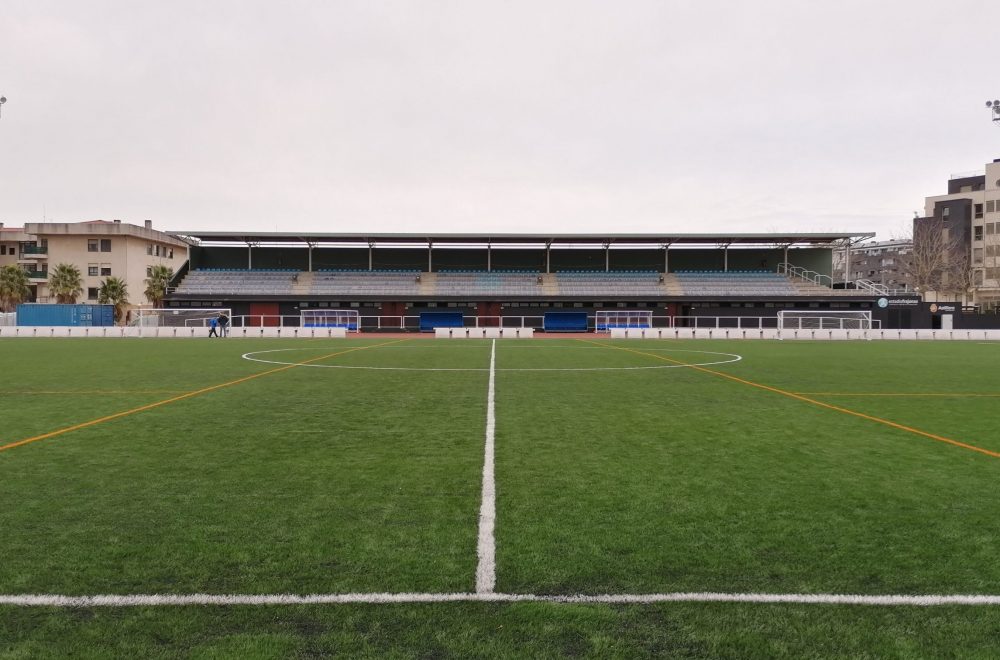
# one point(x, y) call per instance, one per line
point(3, 99)
point(994, 108)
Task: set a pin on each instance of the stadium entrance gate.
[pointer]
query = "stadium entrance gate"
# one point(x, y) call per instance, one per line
point(491, 312)
point(264, 315)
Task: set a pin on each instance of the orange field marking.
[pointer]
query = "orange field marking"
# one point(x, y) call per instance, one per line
point(948, 394)
point(186, 395)
point(800, 397)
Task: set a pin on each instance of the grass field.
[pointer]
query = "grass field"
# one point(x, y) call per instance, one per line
point(810, 468)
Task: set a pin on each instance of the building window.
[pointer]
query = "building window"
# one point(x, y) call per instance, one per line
point(171, 255)
point(156, 250)
point(105, 245)
point(149, 271)
point(3, 249)
point(105, 270)
point(990, 206)
point(977, 255)
point(977, 233)
point(92, 244)
point(92, 293)
point(91, 270)
point(978, 208)
point(149, 249)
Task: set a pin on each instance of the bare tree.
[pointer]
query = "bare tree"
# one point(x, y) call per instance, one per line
point(961, 274)
point(939, 261)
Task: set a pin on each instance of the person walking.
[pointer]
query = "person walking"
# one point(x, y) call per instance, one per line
point(224, 324)
point(213, 325)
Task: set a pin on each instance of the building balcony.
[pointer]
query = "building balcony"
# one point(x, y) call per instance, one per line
point(33, 252)
point(37, 276)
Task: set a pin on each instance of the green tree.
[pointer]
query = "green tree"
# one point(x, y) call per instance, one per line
point(66, 283)
point(113, 291)
point(156, 284)
point(14, 287)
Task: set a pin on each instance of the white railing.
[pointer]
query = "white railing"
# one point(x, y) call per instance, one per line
point(410, 323)
point(792, 270)
point(873, 287)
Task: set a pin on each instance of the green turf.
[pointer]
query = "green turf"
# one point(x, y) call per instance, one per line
point(614, 479)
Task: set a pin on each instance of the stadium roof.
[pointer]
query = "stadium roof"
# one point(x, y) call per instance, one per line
point(423, 239)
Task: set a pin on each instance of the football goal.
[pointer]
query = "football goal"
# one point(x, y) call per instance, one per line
point(606, 319)
point(824, 319)
point(331, 318)
point(178, 317)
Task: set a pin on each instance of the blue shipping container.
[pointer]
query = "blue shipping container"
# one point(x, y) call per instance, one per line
point(39, 314)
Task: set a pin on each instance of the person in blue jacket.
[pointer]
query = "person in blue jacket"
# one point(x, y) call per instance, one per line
point(213, 325)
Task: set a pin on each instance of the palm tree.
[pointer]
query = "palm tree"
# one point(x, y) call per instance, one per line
point(14, 287)
point(113, 291)
point(156, 284)
point(66, 283)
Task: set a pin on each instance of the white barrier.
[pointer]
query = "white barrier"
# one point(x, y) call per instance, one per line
point(480, 333)
point(502, 333)
point(148, 332)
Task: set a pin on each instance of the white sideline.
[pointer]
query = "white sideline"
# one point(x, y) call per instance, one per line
point(486, 571)
point(154, 600)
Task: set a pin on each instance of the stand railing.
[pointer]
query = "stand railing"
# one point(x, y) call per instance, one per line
point(791, 270)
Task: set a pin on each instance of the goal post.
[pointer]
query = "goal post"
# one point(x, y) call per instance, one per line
point(349, 319)
point(824, 319)
point(606, 319)
point(177, 317)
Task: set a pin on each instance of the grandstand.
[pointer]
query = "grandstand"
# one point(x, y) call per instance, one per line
point(390, 280)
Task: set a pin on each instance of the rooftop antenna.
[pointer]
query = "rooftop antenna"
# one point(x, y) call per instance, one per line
point(3, 99)
point(994, 107)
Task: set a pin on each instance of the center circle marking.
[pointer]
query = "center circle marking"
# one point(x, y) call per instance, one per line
point(732, 357)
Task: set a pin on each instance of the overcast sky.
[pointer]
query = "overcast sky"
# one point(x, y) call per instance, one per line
point(529, 116)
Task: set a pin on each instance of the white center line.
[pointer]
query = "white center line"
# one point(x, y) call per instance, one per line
point(486, 571)
point(153, 600)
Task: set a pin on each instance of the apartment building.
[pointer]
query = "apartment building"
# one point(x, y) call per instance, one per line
point(881, 262)
point(11, 239)
point(99, 248)
point(966, 223)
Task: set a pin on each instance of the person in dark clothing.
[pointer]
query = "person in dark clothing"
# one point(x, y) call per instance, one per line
point(224, 324)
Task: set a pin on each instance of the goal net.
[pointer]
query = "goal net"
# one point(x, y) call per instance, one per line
point(824, 319)
point(331, 318)
point(178, 317)
point(606, 319)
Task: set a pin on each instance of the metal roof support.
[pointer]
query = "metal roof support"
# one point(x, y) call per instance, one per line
point(548, 255)
point(489, 257)
point(371, 250)
point(725, 254)
point(607, 256)
point(666, 256)
point(310, 244)
point(430, 249)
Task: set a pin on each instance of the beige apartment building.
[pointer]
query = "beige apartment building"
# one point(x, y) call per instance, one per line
point(99, 248)
point(969, 219)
